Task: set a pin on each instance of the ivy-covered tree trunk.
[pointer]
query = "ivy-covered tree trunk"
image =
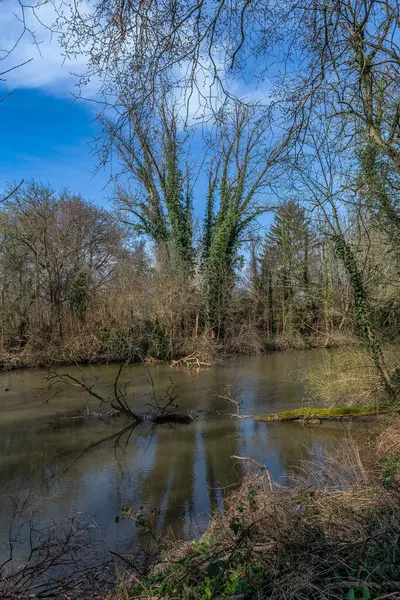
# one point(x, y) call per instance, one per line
point(219, 273)
point(381, 194)
point(271, 313)
point(161, 203)
point(178, 207)
point(326, 291)
point(78, 294)
point(362, 312)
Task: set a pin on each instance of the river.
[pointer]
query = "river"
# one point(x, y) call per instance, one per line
point(183, 471)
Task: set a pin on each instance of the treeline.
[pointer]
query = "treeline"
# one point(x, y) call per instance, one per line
point(239, 225)
point(80, 284)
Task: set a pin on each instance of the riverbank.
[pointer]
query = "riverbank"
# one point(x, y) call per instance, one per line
point(90, 349)
point(337, 540)
point(332, 533)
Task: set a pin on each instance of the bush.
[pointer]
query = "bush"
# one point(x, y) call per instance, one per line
point(345, 377)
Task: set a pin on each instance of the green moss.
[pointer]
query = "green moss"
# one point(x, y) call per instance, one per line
point(323, 413)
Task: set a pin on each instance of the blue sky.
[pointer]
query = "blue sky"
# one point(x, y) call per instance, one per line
point(44, 134)
point(47, 138)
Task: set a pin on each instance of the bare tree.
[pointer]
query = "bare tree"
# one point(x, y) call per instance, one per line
point(247, 160)
point(188, 45)
point(161, 408)
point(57, 250)
point(157, 198)
point(329, 188)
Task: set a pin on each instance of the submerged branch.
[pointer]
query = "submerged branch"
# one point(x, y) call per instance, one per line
point(161, 409)
point(308, 414)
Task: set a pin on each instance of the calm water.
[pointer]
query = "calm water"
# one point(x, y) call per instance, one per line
point(184, 470)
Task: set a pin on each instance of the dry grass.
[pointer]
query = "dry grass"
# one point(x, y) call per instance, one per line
point(389, 439)
point(315, 539)
point(346, 377)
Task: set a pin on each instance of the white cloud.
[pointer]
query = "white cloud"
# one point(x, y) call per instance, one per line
point(208, 93)
point(47, 68)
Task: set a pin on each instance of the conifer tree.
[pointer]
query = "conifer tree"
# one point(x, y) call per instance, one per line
point(289, 241)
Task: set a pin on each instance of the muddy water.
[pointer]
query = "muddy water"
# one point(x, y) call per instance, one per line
point(184, 471)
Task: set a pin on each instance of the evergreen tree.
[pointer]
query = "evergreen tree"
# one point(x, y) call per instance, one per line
point(289, 240)
point(262, 276)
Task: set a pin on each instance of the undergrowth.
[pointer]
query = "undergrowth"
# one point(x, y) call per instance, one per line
point(295, 543)
point(348, 377)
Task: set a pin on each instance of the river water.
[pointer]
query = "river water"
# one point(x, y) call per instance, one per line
point(183, 471)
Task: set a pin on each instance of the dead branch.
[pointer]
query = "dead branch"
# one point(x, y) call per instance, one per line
point(172, 418)
point(230, 396)
point(192, 361)
point(15, 188)
point(161, 408)
point(260, 466)
point(61, 560)
point(170, 396)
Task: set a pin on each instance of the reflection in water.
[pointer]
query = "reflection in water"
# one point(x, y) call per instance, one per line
point(184, 470)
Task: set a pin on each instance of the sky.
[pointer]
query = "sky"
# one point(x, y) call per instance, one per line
point(45, 134)
point(48, 138)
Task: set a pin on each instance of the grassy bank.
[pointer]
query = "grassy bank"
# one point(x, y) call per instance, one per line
point(337, 541)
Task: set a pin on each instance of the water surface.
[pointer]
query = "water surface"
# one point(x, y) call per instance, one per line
point(184, 471)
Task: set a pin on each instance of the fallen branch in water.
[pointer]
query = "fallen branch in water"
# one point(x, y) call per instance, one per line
point(117, 403)
point(260, 466)
point(172, 418)
point(161, 410)
point(192, 361)
point(307, 414)
point(231, 391)
point(80, 416)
